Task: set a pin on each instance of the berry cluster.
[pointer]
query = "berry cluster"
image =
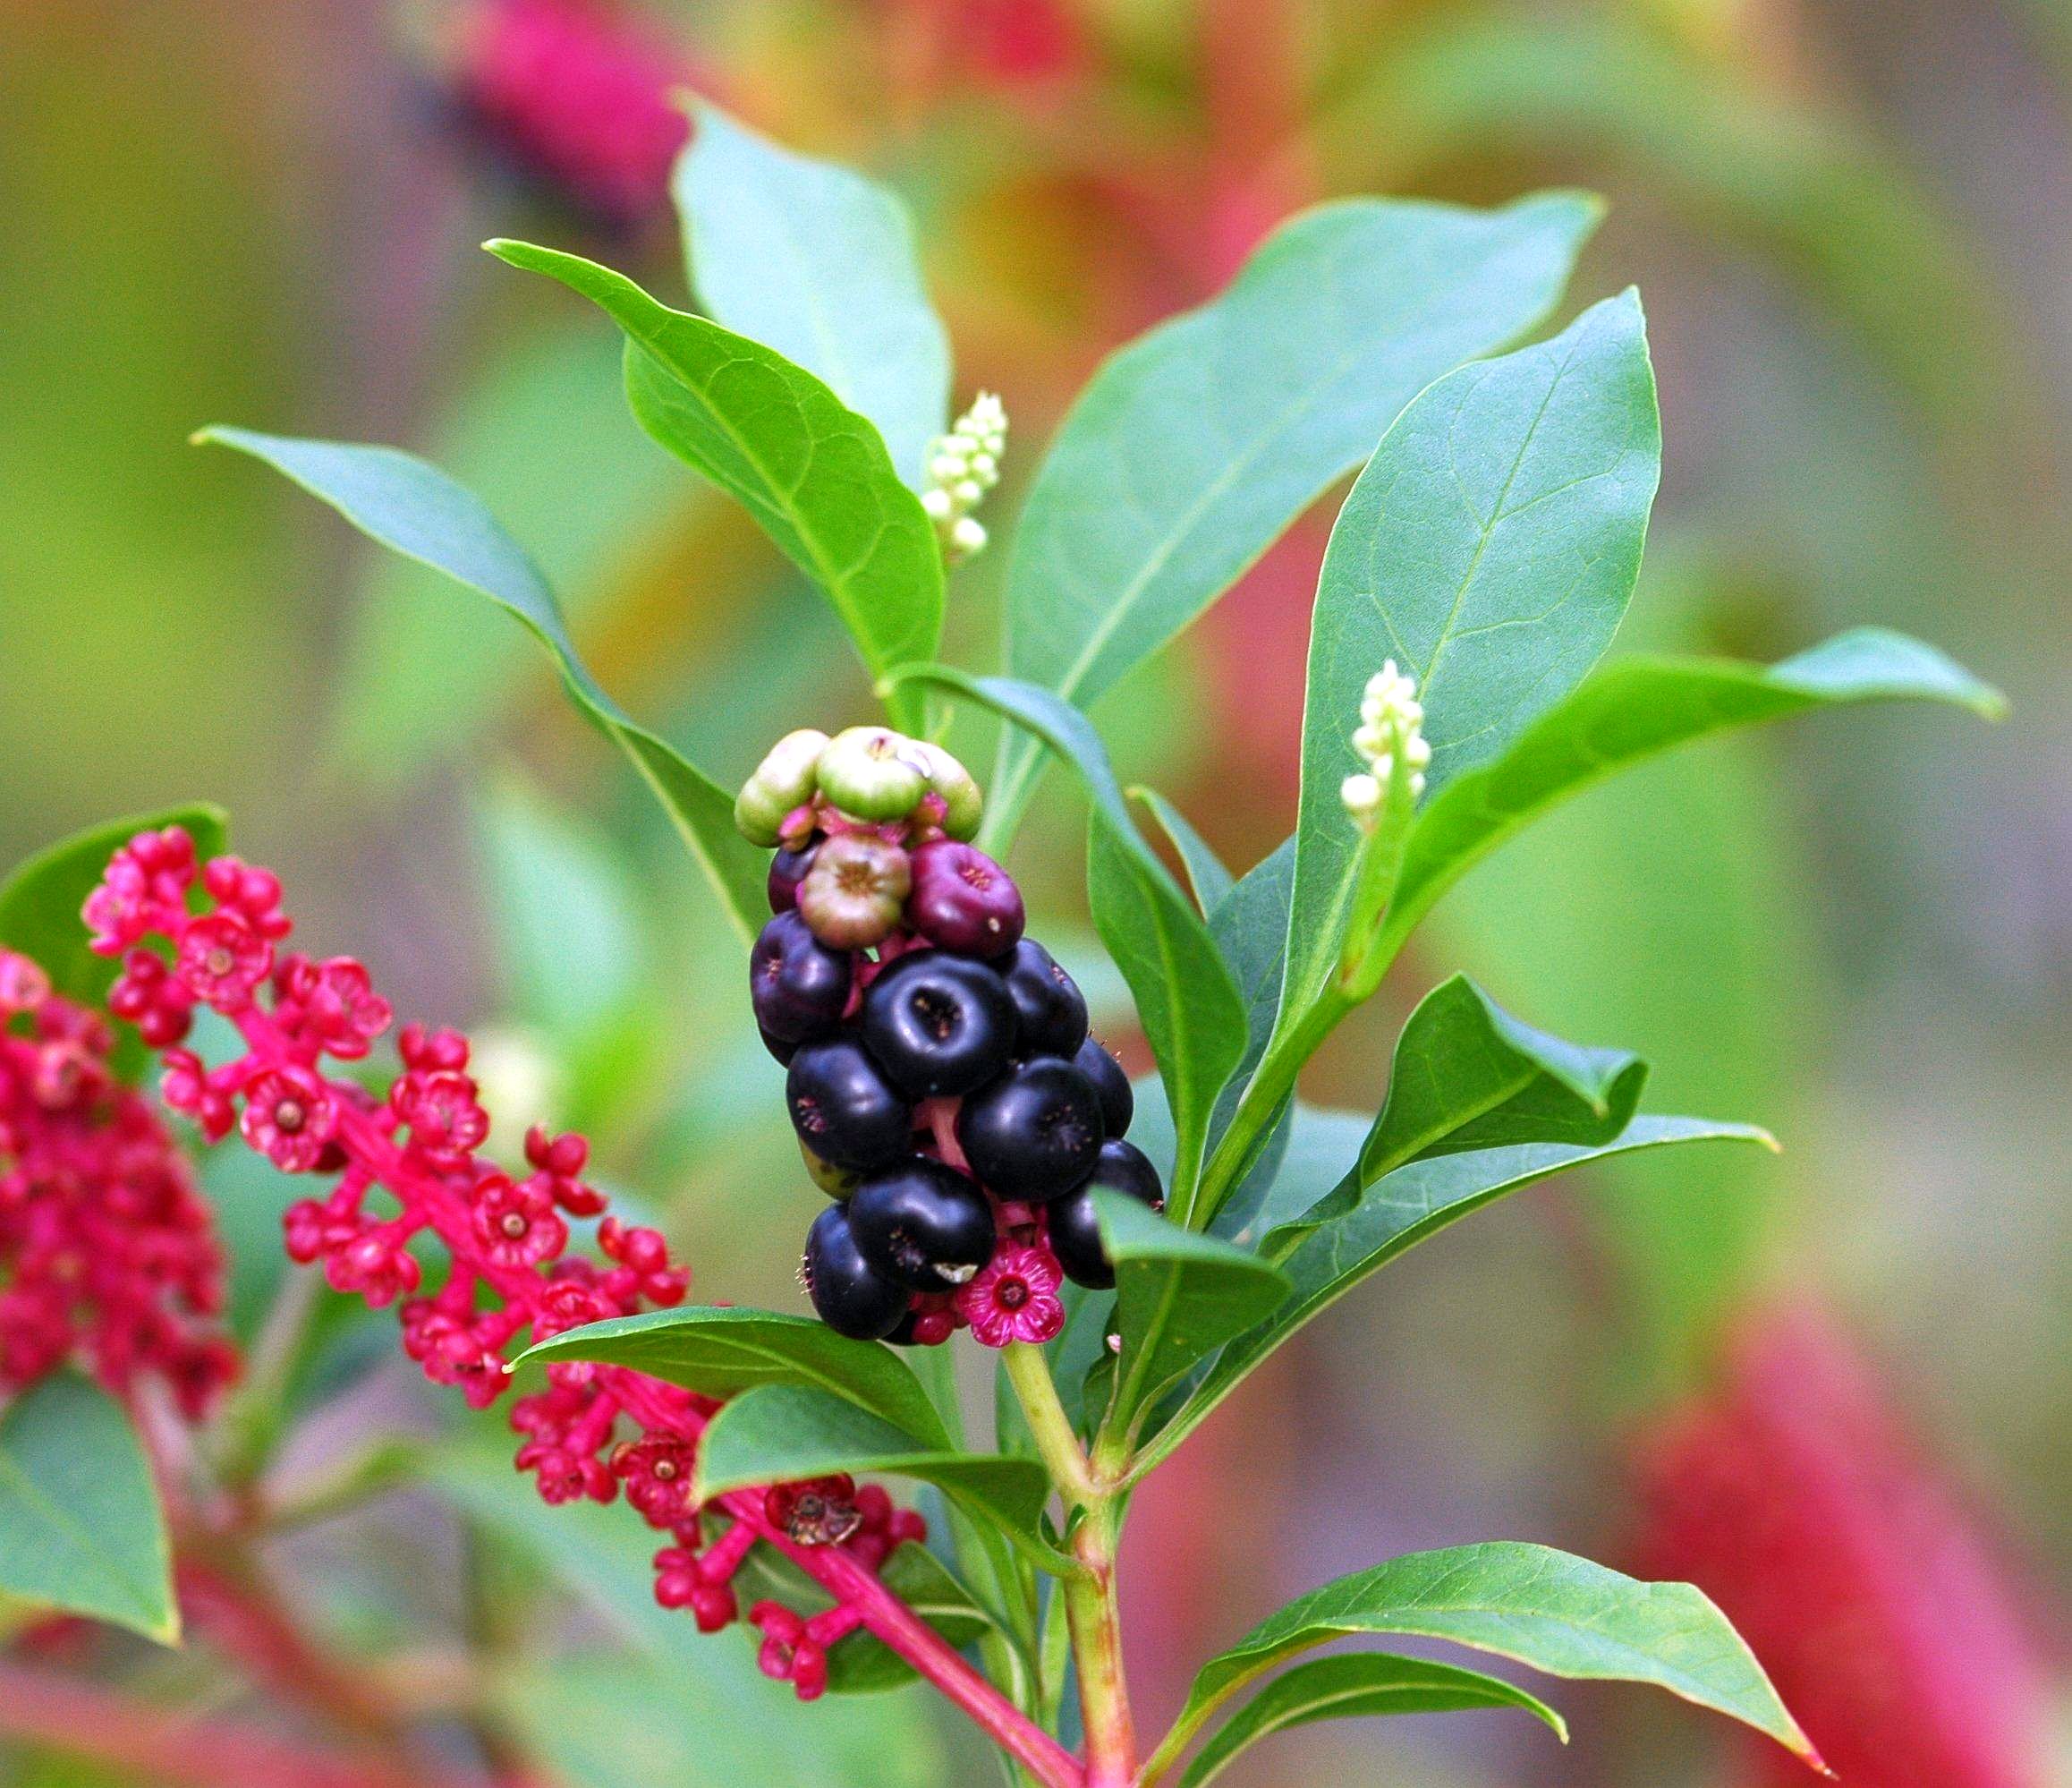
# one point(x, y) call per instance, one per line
point(107, 1255)
point(595, 1430)
point(945, 1090)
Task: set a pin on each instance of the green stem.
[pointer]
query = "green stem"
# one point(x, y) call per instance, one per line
point(1093, 1517)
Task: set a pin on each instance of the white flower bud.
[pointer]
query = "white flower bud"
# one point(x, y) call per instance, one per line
point(967, 535)
point(1390, 721)
point(963, 465)
point(936, 500)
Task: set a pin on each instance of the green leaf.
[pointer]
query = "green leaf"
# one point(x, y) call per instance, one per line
point(1250, 927)
point(1469, 1075)
point(1195, 446)
point(778, 1434)
point(1548, 1609)
point(818, 263)
point(417, 510)
point(40, 902)
point(80, 1528)
point(1363, 1225)
point(1179, 1296)
point(1191, 1010)
point(1205, 875)
point(1352, 1685)
point(814, 473)
point(720, 1351)
point(1637, 707)
point(538, 430)
point(1318, 1148)
point(1489, 548)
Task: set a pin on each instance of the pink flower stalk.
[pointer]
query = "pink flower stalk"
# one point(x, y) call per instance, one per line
point(1795, 1498)
point(580, 95)
point(107, 1253)
point(410, 1189)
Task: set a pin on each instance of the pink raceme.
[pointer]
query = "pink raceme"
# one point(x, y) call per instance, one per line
point(109, 1256)
point(476, 1259)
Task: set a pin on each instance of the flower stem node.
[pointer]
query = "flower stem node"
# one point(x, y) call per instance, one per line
point(1391, 723)
point(963, 467)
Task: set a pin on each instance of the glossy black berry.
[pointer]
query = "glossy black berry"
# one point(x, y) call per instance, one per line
point(1035, 1132)
point(1049, 1010)
point(1074, 1231)
point(923, 1224)
point(844, 1108)
point(787, 869)
point(962, 900)
point(799, 986)
point(778, 1047)
point(938, 1024)
point(1118, 1103)
point(852, 1297)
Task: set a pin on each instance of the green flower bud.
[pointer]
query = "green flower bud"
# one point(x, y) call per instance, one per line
point(783, 781)
point(852, 896)
point(963, 803)
point(867, 772)
point(836, 1182)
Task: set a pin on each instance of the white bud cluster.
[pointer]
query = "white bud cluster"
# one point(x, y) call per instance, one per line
point(1391, 720)
point(963, 465)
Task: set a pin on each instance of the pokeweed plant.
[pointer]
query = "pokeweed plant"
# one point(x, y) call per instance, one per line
point(938, 1069)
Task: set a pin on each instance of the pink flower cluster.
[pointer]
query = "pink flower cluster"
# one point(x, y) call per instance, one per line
point(581, 97)
point(1795, 1498)
point(412, 1189)
point(107, 1256)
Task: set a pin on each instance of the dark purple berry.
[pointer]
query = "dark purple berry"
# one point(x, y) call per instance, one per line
point(964, 901)
point(778, 1047)
point(938, 1024)
point(844, 1108)
point(799, 986)
point(1049, 1010)
point(1118, 1103)
point(851, 1296)
point(1074, 1230)
point(787, 869)
point(1034, 1133)
point(923, 1224)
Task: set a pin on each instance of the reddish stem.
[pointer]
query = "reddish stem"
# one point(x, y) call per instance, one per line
point(86, 1720)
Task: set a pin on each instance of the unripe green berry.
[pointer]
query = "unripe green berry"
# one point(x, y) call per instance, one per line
point(783, 781)
point(867, 772)
point(963, 803)
point(852, 896)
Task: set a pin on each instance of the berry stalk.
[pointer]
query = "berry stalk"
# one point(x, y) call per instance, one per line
point(1093, 1516)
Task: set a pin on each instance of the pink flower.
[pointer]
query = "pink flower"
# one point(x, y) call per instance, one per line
point(516, 1222)
point(289, 1116)
point(446, 1121)
point(221, 959)
point(340, 1006)
point(1014, 1298)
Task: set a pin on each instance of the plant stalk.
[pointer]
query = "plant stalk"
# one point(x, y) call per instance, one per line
point(1092, 1611)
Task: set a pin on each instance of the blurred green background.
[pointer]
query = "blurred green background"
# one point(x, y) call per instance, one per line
point(1852, 224)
